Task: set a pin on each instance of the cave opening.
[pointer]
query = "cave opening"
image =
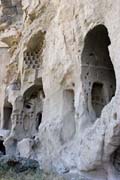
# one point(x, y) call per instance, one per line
point(33, 54)
point(98, 76)
point(33, 108)
point(98, 97)
point(2, 148)
point(38, 120)
point(7, 111)
point(115, 158)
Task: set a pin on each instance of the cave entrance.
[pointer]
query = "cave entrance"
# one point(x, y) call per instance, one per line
point(38, 120)
point(33, 107)
point(98, 76)
point(7, 111)
point(98, 98)
point(2, 148)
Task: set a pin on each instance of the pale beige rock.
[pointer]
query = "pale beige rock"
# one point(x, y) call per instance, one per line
point(60, 91)
point(27, 151)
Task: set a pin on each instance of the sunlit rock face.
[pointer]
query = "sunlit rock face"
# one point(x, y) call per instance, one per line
point(60, 84)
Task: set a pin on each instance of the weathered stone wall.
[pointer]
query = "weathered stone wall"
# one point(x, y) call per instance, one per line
point(61, 85)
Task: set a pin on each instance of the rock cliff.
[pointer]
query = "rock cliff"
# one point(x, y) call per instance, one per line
point(60, 84)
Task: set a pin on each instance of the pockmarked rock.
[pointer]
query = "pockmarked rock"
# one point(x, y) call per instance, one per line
point(60, 86)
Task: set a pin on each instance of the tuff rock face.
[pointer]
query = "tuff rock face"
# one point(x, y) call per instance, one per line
point(60, 84)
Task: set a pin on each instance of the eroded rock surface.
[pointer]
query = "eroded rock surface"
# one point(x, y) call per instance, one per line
point(60, 85)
